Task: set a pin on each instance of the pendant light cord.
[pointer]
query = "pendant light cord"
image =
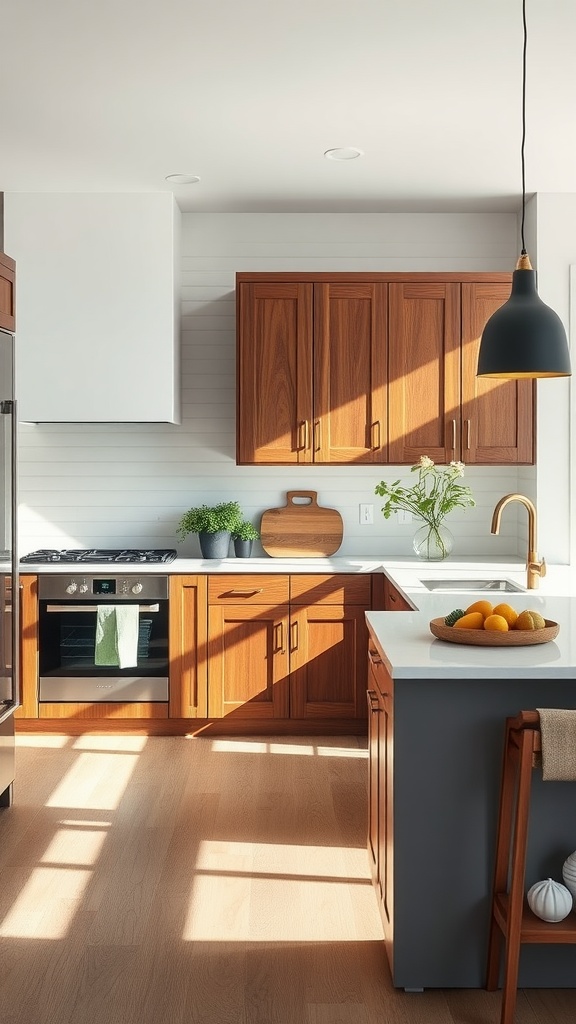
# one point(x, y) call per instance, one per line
point(524, 48)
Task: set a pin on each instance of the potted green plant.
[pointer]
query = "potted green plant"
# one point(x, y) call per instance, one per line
point(214, 525)
point(244, 534)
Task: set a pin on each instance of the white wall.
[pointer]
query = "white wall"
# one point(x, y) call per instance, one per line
point(555, 233)
point(128, 485)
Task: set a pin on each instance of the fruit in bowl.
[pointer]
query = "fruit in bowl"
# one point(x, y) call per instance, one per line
point(500, 618)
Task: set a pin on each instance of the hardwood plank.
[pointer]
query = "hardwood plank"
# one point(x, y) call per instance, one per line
point(219, 880)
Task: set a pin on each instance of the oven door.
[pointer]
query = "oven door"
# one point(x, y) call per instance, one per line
point(67, 654)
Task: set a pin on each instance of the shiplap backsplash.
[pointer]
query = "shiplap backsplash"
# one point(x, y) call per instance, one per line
point(119, 485)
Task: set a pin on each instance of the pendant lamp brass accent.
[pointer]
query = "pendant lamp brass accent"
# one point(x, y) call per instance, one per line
point(525, 337)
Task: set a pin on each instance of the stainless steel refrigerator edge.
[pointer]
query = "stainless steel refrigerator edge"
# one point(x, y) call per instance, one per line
point(9, 577)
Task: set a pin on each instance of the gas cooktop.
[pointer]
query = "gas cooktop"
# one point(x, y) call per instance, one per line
point(103, 555)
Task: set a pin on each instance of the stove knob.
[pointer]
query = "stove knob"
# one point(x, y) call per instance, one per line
point(83, 588)
point(137, 588)
point(71, 588)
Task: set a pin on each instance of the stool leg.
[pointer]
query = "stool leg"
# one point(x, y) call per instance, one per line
point(502, 856)
point(516, 894)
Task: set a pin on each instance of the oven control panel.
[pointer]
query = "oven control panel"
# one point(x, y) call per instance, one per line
point(114, 588)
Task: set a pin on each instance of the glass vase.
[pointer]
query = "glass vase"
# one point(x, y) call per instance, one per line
point(433, 543)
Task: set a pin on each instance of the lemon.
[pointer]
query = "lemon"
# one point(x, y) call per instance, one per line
point(484, 607)
point(529, 620)
point(507, 612)
point(496, 622)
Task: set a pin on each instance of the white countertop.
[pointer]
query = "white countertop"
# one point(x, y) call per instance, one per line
point(192, 566)
point(403, 638)
point(409, 650)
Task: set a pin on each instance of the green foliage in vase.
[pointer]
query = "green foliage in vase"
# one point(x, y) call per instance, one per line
point(435, 493)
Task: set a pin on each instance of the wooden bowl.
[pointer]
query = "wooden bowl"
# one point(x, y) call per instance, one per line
point(493, 638)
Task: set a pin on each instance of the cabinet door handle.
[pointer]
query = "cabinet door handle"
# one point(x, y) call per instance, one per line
point(468, 435)
point(294, 637)
point(244, 593)
point(454, 435)
point(317, 435)
point(279, 638)
point(373, 704)
point(303, 436)
point(374, 657)
point(375, 431)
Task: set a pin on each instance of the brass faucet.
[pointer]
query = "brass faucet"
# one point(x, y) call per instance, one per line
point(535, 568)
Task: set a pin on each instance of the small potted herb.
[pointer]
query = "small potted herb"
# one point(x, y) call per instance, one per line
point(244, 534)
point(214, 525)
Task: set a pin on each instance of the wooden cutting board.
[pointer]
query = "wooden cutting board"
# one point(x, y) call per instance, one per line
point(301, 528)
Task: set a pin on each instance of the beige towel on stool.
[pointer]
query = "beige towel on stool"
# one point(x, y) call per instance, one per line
point(558, 731)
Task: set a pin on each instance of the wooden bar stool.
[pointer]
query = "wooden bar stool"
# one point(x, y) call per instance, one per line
point(511, 918)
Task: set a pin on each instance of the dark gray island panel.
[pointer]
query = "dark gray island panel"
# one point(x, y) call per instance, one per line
point(448, 742)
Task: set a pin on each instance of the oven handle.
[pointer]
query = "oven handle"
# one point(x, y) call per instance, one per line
point(94, 607)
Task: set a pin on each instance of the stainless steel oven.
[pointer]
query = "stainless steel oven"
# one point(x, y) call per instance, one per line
point(103, 638)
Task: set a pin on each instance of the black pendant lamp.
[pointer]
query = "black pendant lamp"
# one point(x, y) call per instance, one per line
point(525, 337)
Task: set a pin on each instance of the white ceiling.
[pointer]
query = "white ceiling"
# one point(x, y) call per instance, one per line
point(114, 95)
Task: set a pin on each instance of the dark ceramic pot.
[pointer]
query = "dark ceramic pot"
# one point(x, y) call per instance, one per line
point(215, 545)
point(242, 548)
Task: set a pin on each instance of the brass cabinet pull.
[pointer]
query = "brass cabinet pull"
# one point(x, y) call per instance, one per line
point(468, 435)
point(294, 636)
point(454, 435)
point(303, 436)
point(317, 435)
point(375, 431)
point(373, 703)
point(245, 593)
point(279, 637)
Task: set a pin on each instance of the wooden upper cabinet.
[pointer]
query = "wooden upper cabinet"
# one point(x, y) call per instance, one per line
point(7, 293)
point(424, 388)
point(311, 372)
point(350, 359)
point(374, 368)
point(274, 373)
point(497, 415)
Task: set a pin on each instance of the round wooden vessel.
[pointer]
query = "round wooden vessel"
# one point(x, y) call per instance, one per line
point(493, 638)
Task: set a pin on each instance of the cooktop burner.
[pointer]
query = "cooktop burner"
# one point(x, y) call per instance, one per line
point(46, 555)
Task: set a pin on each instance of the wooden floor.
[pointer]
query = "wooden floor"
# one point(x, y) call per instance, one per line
point(206, 881)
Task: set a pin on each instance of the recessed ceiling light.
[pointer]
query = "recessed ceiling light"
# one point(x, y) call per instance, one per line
point(182, 179)
point(346, 153)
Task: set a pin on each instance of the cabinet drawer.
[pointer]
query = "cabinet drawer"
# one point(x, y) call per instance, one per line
point(338, 589)
point(247, 589)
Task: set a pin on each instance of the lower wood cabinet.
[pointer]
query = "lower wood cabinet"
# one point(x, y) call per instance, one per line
point(287, 646)
point(248, 647)
point(188, 647)
point(380, 789)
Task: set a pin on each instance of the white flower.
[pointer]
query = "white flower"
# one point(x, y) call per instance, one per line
point(425, 462)
point(458, 468)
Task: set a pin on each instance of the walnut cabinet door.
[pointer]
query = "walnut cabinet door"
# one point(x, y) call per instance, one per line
point(311, 372)
point(248, 661)
point(497, 415)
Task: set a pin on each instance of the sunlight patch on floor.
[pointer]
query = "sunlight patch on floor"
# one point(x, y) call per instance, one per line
point(47, 903)
point(40, 741)
point(78, 788)
point(84, 845)
point(110, 742)
point(268, 892)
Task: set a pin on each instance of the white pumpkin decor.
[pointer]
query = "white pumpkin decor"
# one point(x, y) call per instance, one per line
point(569, 873)
point(549, 900)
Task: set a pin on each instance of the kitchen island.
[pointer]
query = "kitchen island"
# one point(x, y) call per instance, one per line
point(436, 739)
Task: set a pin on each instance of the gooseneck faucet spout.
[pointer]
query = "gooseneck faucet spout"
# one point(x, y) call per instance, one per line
point(535, 568)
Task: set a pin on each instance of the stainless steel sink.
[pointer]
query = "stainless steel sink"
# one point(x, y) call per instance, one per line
point(498, 585)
